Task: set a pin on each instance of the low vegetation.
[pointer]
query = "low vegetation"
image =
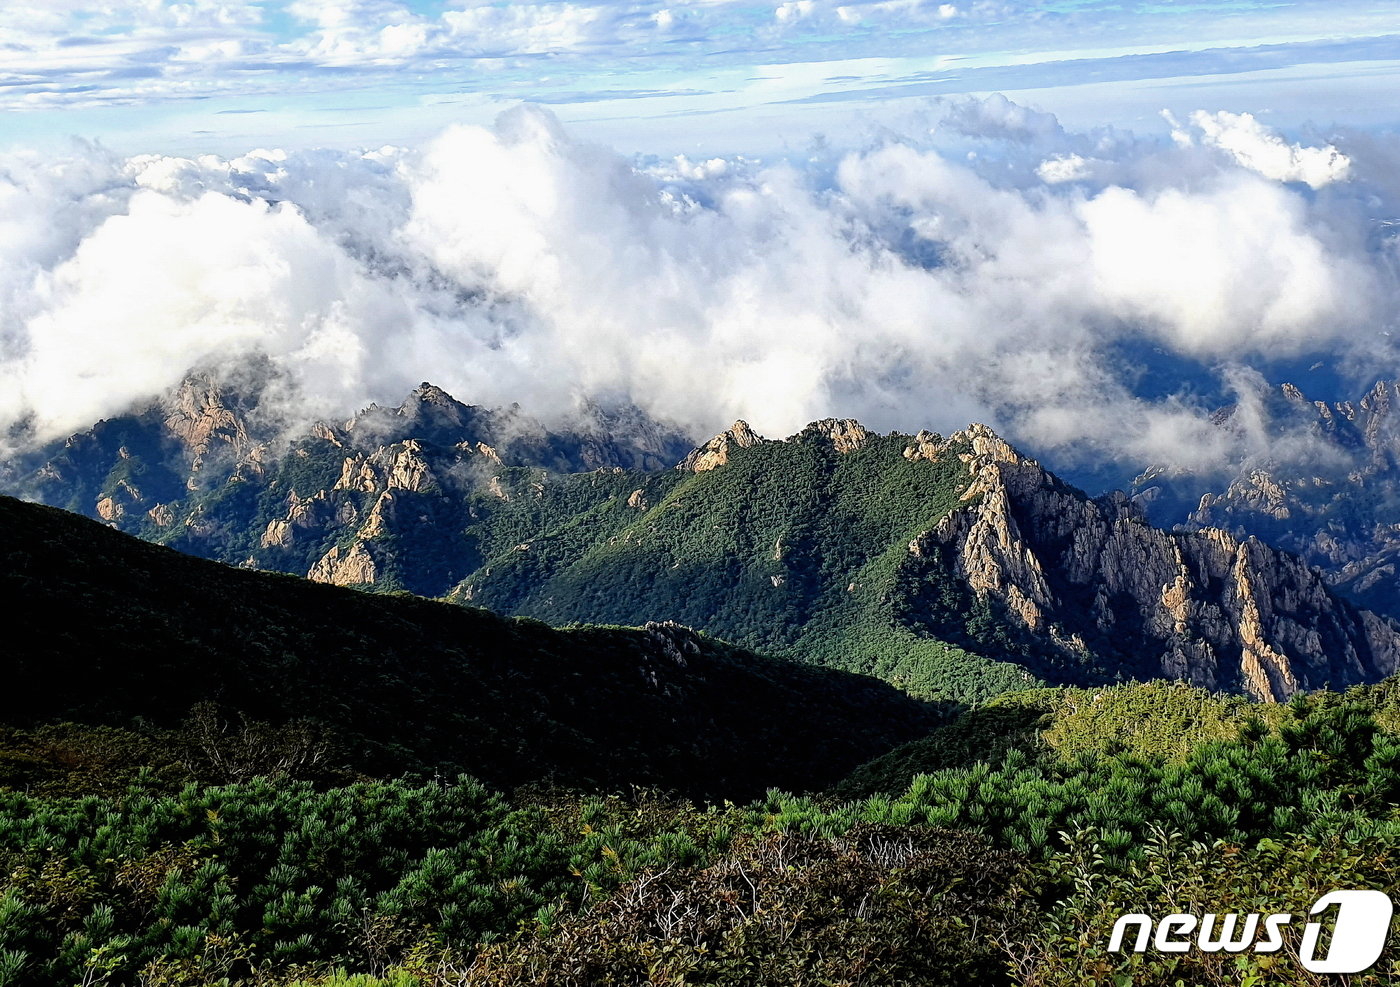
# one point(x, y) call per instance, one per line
point(1010, 870)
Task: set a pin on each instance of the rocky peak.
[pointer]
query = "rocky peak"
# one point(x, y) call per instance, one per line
point(198, 414)
point(429, 414)
point(426, 393)
point(716, 452)
point(326, 433)
point(844, 434)
point(672, 642)
point(987, 447)
point(1219, 611)
point(926, 445)
point(353, 568)
point(1258, 491)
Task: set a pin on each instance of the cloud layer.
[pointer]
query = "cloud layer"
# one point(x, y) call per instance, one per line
point(992, 266)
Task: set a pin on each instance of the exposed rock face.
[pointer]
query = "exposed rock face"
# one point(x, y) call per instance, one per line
point(396, 467)
point(277, 535)
point(926, 445)
point(1257, 491)
point(119, 502)
point(1336, 503)
point(671, 644)
point(716, 452)
point(306, 515)
point(199, 418)
point(1205, 606)
point(366, 500)
point(353, 568)
point(844, 434)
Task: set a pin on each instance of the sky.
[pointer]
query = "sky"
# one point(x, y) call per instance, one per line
point(708, 76)
point(1087, 224)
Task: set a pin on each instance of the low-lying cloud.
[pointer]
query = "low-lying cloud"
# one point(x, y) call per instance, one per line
point(995, 268)
point(1256, 147)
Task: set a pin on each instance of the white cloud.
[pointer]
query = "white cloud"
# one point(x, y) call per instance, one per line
point(171, 282)
point(997, 118)
point(1064, 168)
point(1261, 149)
point(514, 263)
point(889, 13)
point(794, 9)
point(1231, 270)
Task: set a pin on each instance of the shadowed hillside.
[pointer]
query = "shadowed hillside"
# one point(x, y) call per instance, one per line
point(121, 630)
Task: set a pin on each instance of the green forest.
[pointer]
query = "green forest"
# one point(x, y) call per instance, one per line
point(793, 548)
point(132, 631)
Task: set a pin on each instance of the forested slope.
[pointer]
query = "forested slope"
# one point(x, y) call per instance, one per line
point(112, 630)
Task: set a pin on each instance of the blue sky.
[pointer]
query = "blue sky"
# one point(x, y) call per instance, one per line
point(715, 76)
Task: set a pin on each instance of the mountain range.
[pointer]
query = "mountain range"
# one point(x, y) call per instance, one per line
point(1333, 499)
point(954, 567)
point(824, 709)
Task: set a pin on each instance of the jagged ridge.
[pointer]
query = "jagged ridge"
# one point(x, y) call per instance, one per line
point(1092, 576)
point(1335, 499)
point(929, 562)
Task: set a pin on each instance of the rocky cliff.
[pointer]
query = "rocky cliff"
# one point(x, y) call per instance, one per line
point(1329, 493)
point(716, 452)
point(1093, 578)
point(381, 498)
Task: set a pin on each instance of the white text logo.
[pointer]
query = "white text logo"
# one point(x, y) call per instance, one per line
point(1363, 922)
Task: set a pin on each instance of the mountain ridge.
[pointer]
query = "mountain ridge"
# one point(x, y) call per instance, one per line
point(955, 567)
point(137, 633)
point(1201, 606)
point(1331, 495)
